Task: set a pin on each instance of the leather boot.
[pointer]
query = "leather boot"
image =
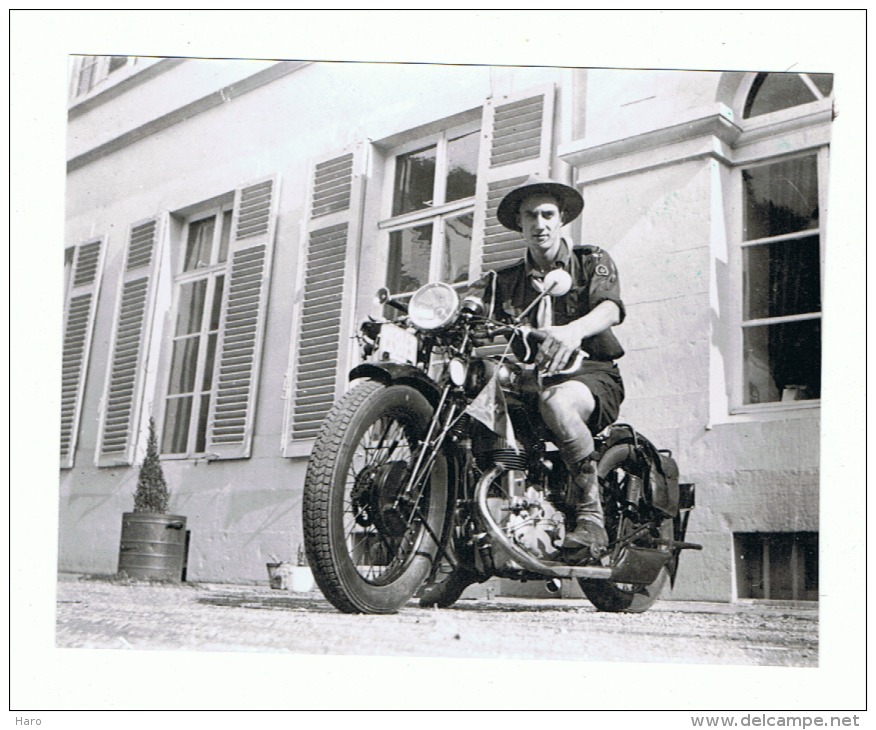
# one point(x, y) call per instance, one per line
point(589, 533)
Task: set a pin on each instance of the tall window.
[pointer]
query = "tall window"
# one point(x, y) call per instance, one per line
point(199, 286)
point(433, 199)
point(782, 245)
point(781, 260)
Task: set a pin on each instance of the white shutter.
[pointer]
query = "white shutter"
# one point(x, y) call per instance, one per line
point(517, 143)
point(79, 312)
point(323, 334)
point(123, 394)
point(241, 330)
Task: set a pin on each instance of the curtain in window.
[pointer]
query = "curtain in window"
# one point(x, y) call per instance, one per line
point(794, 288)
point(781, 199)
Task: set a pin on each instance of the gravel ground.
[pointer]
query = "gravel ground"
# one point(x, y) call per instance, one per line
point(94, 613)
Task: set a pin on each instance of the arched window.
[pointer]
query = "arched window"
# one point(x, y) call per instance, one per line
point(773, 92)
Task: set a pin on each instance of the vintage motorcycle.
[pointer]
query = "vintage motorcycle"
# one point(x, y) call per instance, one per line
point(437, 459)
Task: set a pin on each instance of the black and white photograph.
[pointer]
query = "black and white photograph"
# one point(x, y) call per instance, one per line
point(409, 375)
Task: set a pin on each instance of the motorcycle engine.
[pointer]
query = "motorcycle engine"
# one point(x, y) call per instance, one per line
point(534, 524)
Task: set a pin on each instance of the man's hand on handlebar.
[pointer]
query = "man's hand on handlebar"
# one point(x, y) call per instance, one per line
point(557, 348)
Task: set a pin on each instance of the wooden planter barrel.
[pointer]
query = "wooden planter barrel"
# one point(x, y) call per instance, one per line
point(153, 546)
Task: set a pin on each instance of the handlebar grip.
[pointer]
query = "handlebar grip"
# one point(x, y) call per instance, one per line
point(538, 336)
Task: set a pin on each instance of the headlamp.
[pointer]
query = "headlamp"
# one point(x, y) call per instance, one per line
point(433, 306)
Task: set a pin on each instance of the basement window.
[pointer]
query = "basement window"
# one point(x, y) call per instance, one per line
point(777, 565)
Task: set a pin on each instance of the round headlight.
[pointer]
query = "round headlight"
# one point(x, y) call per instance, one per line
point(433, 306)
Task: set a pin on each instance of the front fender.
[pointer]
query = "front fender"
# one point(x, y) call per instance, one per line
point(394, 373)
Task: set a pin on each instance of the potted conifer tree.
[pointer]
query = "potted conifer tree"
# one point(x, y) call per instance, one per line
point(153, 542)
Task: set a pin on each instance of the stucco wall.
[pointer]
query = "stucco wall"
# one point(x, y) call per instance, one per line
point(621, 103)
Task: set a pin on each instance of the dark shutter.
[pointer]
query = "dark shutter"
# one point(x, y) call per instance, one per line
point(322, 338)
point(518, 142)
point(79, 312)
point(241, 333)
point(133, 323)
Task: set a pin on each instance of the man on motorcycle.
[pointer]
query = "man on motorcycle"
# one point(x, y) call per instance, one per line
point(583, 389)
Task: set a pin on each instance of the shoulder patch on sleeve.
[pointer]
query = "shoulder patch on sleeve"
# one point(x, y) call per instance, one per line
point(602, 270)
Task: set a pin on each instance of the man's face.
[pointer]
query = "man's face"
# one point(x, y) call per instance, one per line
point(540, 221)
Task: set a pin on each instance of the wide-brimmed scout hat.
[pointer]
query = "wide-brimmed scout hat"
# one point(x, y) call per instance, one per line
point(569, 199)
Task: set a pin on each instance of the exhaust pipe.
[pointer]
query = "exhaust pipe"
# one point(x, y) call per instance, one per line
point(525, 560)
point(553, 585)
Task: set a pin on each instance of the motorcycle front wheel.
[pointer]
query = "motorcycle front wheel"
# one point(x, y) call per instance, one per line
point(371, 536)
point(618, 462)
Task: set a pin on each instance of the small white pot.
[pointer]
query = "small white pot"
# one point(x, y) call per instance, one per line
point(302, 579)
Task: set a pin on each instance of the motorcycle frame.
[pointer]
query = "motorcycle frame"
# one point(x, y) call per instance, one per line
point(463, 492)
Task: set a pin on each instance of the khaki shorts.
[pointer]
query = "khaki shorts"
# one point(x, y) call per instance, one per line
point(605, 382)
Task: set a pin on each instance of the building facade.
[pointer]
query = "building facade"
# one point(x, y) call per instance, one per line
point(228, 223)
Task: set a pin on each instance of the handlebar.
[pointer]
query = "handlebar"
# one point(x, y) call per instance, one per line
point(505, 330)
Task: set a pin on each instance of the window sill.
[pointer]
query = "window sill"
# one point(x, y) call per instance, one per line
point(766, 412)
point(192, 458)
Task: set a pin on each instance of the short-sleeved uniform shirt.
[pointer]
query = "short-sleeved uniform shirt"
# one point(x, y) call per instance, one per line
point(594, 279)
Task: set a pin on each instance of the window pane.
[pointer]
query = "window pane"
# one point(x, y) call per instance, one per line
point(782, 278)
point(68, 265)
point(457, 248)
point(749, 565)
point(414, 181)
point(783, 362)
point(117, 62)
point(184, 367)
point(86, 74)
point(216, 309)
point(824, 82)
point(462, 166)
point(176, 426)
point(224, 236)
point(191, 307)
point(199, 244)
point(780, 198)
point(409, 254)
point(772, 92)
point(201, 437)
point(207, 382)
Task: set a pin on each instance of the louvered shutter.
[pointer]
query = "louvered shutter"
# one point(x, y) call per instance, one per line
point(79, 313)
point(123, 394)
point(517, 143)
point(232, 408)
point(321, 344)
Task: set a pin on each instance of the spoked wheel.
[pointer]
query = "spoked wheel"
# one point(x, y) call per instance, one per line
point(615, 467)
point(371, 535)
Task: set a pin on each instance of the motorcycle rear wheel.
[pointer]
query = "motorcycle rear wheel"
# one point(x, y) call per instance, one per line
point(370, 542)
point(607, 596)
